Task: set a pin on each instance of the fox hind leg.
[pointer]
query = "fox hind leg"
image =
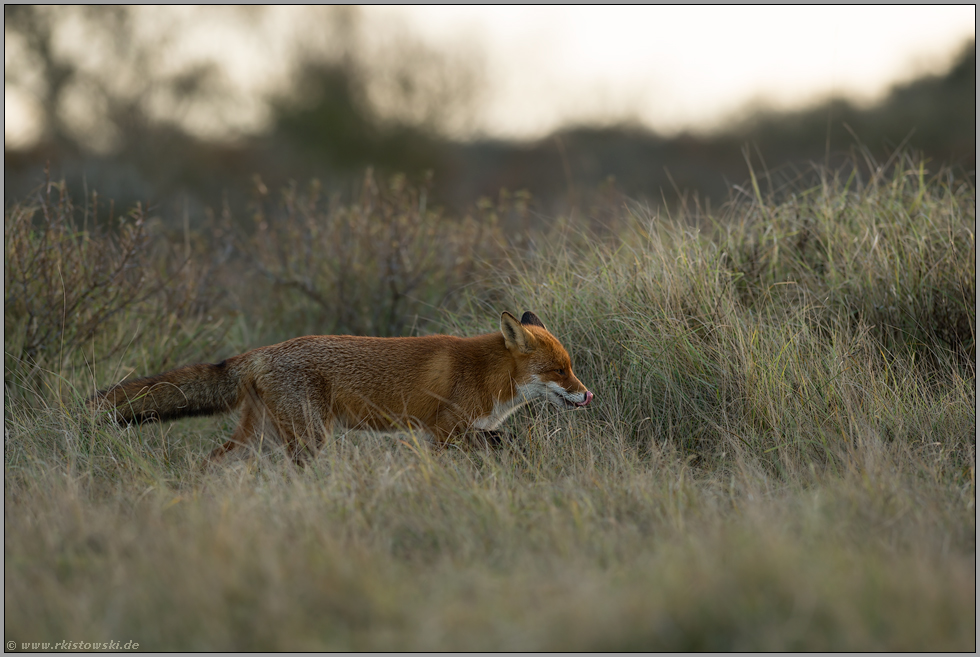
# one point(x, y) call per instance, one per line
point(303, 444)
point(251, 426)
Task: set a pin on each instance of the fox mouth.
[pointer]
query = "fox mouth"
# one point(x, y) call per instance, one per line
point(565, 402)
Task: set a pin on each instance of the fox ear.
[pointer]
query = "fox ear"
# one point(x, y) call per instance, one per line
point(530, 319)
point(516, 337)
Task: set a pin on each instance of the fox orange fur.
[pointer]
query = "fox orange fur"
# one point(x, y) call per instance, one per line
point(297, 390)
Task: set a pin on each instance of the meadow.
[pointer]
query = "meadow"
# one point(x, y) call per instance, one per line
point(781, 454)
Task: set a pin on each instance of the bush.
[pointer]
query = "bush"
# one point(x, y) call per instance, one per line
point(894, 253)
point(77, 294)
point(385, 264)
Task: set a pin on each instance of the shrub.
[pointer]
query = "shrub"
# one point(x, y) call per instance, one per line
point(385, 264)
point(69, 286)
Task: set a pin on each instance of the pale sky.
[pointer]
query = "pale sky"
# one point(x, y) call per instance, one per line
point(669, 68)
point(677, 68)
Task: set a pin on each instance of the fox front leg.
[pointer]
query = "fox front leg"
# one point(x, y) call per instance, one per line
point(491, 439)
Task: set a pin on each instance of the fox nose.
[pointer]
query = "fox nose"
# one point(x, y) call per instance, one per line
point(588, 398)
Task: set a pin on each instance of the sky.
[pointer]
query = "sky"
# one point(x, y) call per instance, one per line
point(677, 68)
point(667, 68)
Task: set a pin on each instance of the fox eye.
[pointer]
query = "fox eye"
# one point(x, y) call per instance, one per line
point(560, 371)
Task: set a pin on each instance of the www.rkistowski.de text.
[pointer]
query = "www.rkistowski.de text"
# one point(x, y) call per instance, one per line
point(72, 645)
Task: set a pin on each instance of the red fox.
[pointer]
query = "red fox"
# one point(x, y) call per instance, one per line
point(297, 390)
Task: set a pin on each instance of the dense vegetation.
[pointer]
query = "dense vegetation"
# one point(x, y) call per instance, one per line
point(781, 454)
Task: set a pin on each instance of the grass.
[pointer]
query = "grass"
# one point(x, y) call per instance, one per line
point(781, 454)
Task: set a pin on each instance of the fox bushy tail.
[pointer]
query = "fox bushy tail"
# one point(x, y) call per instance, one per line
point(202, 389)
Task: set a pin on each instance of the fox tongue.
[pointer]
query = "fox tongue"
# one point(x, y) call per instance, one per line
point(588, 398)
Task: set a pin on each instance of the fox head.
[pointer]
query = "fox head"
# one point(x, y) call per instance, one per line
point(544, 369)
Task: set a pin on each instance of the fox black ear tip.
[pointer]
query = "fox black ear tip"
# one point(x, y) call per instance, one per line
point(530, 319)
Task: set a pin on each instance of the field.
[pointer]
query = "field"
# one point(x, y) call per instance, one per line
point(781, 454)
